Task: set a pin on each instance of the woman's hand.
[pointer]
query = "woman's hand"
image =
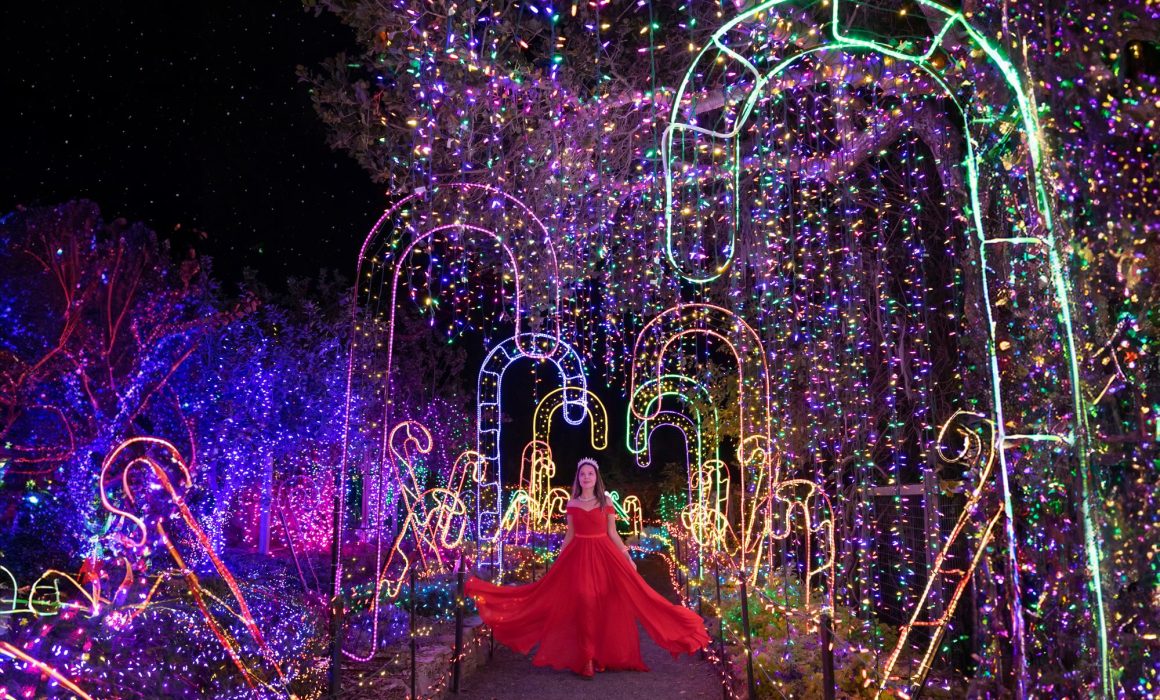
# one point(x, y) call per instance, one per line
point(628, 553)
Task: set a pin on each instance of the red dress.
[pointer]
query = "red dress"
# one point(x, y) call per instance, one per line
point(586, 606)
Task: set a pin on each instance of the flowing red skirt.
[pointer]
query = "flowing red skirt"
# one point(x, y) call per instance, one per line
point(586, 608)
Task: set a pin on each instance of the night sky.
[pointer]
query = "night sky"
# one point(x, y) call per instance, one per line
point(188, 117)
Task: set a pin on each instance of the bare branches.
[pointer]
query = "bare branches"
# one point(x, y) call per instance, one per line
point(105, 280)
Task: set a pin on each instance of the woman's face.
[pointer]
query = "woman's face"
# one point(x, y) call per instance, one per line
point(587, 476)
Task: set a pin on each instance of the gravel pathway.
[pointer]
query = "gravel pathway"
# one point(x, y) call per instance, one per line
point(510, 676)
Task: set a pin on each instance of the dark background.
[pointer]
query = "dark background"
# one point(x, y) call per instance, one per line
point(187, 116)
point(190, 118)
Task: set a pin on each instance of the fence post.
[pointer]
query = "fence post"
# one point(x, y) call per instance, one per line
point(414, 666)
point(748, 645)
point(684, 576)
point(459, 603)
point(335, 674)
point(336, 606)
point(721, 628)
point(827, 657)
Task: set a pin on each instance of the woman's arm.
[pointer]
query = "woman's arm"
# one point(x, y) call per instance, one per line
point(567, 535)
point(615, 536)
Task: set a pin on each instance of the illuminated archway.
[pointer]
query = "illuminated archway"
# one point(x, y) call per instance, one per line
point(470, 211)
point(574, 401)
point(1036, 250)
point(653, 358)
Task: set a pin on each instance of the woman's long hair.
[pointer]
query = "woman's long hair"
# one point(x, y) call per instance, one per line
point(597, 488)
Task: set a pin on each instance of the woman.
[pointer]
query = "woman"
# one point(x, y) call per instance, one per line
point(583, 612)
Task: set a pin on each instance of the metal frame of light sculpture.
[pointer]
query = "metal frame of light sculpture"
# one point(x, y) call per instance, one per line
point(758, 472)
point(698, 491)
point(689, 429)
point(530, 511)
point(551, 500)
point(377, 474)
point(116, 469)
point(629, 508)
point(708, 520)
point(407, 440)
point(984, 504)
point(535, 453)
point(16, 653)
point(679, 387)
point(634, 514)
point(709, 494)
point(540, 463)
point(536, 467)
point(810, 502)
point(639, 437)
point(407, 220)
point(489, 489)
point(404, 440)
point(435, 519)
point(468, 461)
point(835, 38)
point(518, 518)
point(393, 228)
point(431, 530)
point(548, 406)
point(32, 605)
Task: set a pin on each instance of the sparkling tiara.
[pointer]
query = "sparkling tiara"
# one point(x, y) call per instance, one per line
point(587, 460)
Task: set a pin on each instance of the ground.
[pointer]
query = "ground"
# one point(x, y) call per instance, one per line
point(511, 676)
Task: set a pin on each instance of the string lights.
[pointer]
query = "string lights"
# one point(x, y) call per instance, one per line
point(887, 268)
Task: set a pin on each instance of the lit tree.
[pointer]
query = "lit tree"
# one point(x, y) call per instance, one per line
point(854, 261)
point(99, 321)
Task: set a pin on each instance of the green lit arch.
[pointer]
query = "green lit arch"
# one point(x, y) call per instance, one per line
point(834, 38)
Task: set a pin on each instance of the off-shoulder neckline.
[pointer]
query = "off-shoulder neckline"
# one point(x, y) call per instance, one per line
point(589, 510)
